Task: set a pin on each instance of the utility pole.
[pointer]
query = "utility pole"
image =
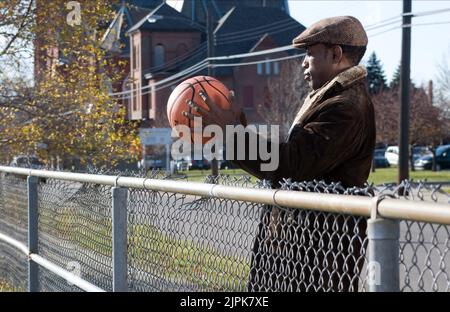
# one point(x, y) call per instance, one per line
point(405, 83)
point(210, 34)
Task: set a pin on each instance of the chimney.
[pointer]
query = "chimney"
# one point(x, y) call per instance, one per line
point(430, 91)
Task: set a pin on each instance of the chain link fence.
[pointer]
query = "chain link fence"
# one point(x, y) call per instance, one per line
point(75, 230)
point(180, 242)
point(14, 223)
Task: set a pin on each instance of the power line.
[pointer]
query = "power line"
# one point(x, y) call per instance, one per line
point(426, 13)
point(239, 64)
point(410, 25)
point(249, 34)
point(252, 36)
point(261, 28)
point(398, 16)
point(243, 38)
point(220, 65)
point(384, 25)
point(260, 61)
point(218, 58)
point(195, 52)
point(187, 71)
point(228, 41)
point(160, 87)
point(203, 64)
point(196, 67)
point(262, 52)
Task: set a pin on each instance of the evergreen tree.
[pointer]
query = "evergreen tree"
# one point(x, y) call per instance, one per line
point(376, 78)
point(395, 82)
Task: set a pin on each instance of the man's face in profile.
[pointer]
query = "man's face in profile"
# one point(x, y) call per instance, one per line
point(317, 65)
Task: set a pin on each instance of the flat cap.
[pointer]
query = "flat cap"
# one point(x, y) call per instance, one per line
point(345, 30)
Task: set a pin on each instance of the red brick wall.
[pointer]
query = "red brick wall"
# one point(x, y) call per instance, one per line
point(247, 78)
point(153, 104)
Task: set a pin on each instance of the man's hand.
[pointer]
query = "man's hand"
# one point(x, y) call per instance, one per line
point(216, 115)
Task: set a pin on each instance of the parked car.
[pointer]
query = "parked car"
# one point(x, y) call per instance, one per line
point(392, 153)
point(183, 164)
point(226, 164)
point(442, 159)
point(200, 164)
point(24, 161)
point(152, 162)
point(421, 151)
point(379, 159)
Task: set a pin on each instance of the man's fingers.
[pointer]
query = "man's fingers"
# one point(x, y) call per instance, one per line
point(231, 96)
point(204, 96)
point(197, 108)
point(205, 119)
point(189, 115)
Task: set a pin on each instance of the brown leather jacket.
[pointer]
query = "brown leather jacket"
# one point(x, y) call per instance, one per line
point(332, 138)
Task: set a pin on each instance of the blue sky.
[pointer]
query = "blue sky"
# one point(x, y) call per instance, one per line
point(430, 43)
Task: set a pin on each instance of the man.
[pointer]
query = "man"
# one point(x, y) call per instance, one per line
point(332, 138)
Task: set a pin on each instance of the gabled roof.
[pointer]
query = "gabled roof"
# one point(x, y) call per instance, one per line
point(265, 37)
point(241, 29)
point(128, 14)
point(196, 9)
point(164, 17)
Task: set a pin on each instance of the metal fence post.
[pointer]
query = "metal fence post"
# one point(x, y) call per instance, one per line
point(384, 249)
point(119, 222)
point(33, 268)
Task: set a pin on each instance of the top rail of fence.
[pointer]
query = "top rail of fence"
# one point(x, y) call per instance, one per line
point(347, 204)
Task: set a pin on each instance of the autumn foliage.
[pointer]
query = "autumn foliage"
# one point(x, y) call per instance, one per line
point(67, 111)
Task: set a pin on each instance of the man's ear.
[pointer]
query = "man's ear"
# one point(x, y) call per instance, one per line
point(338, 54)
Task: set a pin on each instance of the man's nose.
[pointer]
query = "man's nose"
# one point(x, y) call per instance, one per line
point(305, 63)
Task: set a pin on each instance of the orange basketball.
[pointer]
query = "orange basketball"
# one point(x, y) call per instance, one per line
point(188, 90)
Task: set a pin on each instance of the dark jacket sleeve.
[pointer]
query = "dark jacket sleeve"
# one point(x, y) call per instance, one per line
point(316, 147)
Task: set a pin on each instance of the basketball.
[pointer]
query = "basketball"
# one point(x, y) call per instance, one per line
point(188, 90)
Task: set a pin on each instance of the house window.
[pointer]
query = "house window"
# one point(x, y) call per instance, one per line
point(268, 68)
point(276, 68)
point(260, 68)
point(134, 56)
point(138, 57)
point(135, 96)
point(159, 55)
point(248, 96)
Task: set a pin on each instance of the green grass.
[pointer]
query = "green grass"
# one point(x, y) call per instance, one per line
point(381, 175)
point(389, 175)
point(184, 261)
point(200, 175)
point(176, 260)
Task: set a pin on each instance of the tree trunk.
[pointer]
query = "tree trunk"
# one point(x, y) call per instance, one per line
point(411, 157)
point(433, 150)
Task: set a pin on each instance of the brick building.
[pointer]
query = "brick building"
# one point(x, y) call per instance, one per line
point(159, 42)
